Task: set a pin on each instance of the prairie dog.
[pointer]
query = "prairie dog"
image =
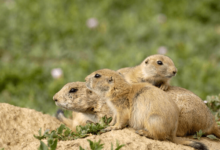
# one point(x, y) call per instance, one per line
point(85, 104)
point(194, 114)
point(147, 109)
point(155, 69)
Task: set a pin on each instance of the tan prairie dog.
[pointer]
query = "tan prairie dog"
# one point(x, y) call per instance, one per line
point(194, 114)
point(147, 109)
point(155, 69)
point(85, 104)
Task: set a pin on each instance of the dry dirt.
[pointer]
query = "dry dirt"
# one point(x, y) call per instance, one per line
point(17, 126)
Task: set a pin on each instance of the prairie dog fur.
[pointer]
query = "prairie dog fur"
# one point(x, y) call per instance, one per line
point(155, 69)
point(147, 109)
point(194, 114)
point(85, 104)
point(78, 119)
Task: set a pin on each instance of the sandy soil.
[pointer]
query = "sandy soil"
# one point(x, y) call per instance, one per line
point(17, 126)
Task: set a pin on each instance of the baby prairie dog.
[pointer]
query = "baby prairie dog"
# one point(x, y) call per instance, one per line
point(147, 109)
point(155, 69)
point(85, 104)
point(194, 114)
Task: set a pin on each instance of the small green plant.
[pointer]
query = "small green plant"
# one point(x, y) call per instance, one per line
point(198, 135)
point(63, 133)
point(98, 146)
point(213, 102)
point(212, 137)
point(117, 146)
point(51, 145)
point(94, 145)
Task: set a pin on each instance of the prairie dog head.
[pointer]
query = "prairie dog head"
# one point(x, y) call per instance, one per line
point(159, 67)
point(75, 96)
point(106, 82)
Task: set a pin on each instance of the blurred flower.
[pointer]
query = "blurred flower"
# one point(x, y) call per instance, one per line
point(205, 102)
point(10, 4)
point(162, 50)
point(92, 23)
point(218, 30)
point(56, 73)
point(162, 18)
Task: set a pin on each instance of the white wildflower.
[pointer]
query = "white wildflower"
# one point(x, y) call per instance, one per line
point(162, 18)
point(162, 50)
point(10, 4)
point(56, 73)
point(92, 23)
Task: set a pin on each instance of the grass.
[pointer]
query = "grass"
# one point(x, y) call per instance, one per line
point(199, 134)
point(38, 36)
point(94, 145)
point(98, 146)
point(213, 103)
point(63, 133)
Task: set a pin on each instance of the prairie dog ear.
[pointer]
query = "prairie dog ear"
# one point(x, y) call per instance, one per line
point(89, 92)
point(146, 61)
point(110, 79)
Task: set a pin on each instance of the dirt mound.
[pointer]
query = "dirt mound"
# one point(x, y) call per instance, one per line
point(17, 126)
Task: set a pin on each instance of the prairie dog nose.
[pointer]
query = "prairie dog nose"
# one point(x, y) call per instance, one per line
point(55, 99)
point(174, 71)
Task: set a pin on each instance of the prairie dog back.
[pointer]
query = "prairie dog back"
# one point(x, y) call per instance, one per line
point(152, 108)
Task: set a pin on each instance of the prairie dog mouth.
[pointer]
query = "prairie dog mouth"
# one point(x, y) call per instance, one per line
point(62, 105)
point(89, 85)
point(65, 106)
point(169, 76)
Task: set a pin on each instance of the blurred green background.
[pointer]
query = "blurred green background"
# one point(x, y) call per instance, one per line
point(81, 36)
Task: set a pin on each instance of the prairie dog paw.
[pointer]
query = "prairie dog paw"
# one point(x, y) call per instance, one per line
point(112, 123)
point(112, 128)
point(89, 121)
point(164, 87)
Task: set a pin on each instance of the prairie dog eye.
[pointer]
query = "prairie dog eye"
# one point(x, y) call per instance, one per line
point(159, 62)
point(73, 90)
point(97, 75)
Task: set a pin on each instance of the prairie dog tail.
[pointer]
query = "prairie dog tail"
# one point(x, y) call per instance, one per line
point(194, 144)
